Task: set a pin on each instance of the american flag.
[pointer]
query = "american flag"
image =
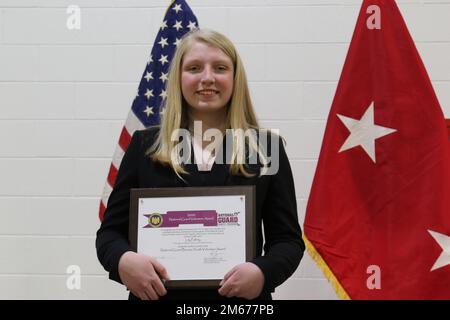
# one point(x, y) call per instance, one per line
point(146, 109)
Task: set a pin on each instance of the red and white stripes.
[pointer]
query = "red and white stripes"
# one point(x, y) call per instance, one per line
point(131, 125)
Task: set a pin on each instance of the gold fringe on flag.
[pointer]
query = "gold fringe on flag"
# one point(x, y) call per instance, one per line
point(326, 270)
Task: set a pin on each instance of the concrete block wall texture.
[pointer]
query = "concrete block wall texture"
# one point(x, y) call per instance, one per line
point(64, 96)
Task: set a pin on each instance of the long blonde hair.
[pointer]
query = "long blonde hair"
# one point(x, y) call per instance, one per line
point(240, 113)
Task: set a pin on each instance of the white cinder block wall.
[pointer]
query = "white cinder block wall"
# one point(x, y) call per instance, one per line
point(64, 96)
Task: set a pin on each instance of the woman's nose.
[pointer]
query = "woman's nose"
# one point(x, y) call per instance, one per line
point(208, 76)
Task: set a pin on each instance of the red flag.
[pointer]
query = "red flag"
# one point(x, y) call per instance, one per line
point(378, 216)
point(448, 127)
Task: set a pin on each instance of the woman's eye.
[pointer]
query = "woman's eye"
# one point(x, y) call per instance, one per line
point(193, 68)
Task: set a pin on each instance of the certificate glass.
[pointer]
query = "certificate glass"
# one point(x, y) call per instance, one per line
point(197, 233)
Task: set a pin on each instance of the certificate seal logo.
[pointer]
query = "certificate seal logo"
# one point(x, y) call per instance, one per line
point(155, 220)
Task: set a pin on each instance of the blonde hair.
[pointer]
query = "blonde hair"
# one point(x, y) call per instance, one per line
point(240, 113)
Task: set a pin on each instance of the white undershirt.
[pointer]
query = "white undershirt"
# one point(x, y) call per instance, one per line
point(203, 157)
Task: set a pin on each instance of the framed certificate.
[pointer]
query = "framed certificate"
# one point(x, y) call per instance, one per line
point(197, 233)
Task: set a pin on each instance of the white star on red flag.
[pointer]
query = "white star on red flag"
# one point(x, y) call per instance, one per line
point(364, 132)
point(444, 242)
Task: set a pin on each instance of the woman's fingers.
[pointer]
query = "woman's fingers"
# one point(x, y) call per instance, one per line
point(157, 284)
point(150, 292)
point(228, 275)
point(227, 283)
point(225, 289)
point(159, 287)
point(160, 269)
point(227, 286)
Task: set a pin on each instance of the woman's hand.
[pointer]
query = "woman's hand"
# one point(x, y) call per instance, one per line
point(246, 280)
point(141, 275)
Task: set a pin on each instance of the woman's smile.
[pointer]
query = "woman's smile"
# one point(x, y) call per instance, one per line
point(207, 93)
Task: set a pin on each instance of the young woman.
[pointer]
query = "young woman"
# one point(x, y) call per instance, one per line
point(207, 83)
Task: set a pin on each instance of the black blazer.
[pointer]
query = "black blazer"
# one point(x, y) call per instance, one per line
point(275, 206)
